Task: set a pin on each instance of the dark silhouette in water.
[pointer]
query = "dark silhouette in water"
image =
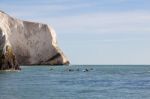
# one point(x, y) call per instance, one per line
point(85, 70)
point(78, 69)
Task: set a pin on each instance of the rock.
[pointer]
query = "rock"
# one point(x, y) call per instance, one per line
point(27, 43)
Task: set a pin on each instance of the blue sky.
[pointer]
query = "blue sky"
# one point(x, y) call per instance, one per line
point(92, 31)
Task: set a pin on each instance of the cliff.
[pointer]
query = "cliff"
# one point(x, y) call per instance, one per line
point(27, 43)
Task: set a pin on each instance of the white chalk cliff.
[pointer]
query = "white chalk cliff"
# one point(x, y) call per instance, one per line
point(27, 43)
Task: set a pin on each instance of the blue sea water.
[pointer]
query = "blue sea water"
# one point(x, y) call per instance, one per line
point(74, 82)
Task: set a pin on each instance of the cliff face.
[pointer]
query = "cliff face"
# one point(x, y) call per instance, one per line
point(27, 43)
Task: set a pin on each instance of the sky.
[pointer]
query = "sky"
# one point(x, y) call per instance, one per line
point(92, 31)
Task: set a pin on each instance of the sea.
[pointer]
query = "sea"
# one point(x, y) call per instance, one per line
point(76, 82)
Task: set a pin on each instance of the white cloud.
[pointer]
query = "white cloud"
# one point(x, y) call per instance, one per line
point(40, 9)
point(119, 22)
point(98, 22)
